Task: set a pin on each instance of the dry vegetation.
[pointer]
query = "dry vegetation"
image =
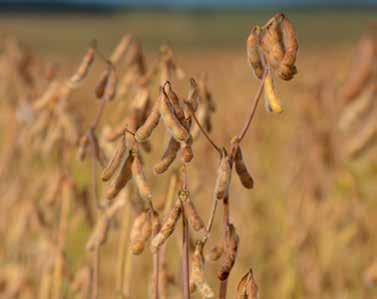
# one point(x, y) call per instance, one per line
point(117, 171)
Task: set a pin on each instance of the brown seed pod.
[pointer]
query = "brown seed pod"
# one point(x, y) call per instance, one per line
point(114, 163)
point(286, 72)
point(83, 147)
point(230, 253)
point(171, 121)
point(215, 253)
point(111, 86)
point(99, 235)
point(168, 157)
point(272, 101)
point(192, 214)
point(224, 173)
point(362, 66)
point(139, 178)
point(123, 176)
point(102, 83)
point(272, 43)
point(247, 287)
point(140, 232)
point(187, 153)
point(197, 273)
point(174, 100)
point(193, 98)
point(83, 69)
point(145, 131)
point(241, 169)
point(167, 228)
point(290, 42)
point(253, 53)
point(156, 223)
point(121, 49)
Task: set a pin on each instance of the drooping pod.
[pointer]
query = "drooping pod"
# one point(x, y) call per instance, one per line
point(121, 49)
point(102, 83)
point(139, 178)
point(290, 44)
point(115, 161)
point(224, 173)
point(192, 214)
point(99, 235)
point(151, 122)
point(230, 253)
point(272, 101)
point(84, 67)
point(167, 228)
point(197, 273)
point(272, 43)
point(247, 287)
point(193, 98)
point(83, 147)
point(122, 178)
point(242, 171)
point(140, 232)
point(168, 157)
point(111, 86)
point(362, 66)
point(254, 54)
point(171, 121)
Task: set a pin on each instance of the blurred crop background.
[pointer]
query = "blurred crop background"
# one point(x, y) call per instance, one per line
point(308, 228)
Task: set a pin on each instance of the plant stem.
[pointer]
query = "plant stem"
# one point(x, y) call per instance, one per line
point(185, 239)
point(204, 131)
point(96, 262)
point(256, 101)
point(224, 283)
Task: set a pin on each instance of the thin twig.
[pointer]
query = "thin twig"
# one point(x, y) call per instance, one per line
point(185, 241)
point(256, 101)
point(96, 262)
point(210, 220)
point(203, 131)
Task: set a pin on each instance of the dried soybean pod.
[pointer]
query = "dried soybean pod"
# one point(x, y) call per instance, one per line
point(272, 43)
point(102, 83)
point(113, 164)
point(139, 178)
point(121, 49)
point(187, 153)
point(271, 100)
point(193, 98)
point(99, 235)
point(171, 121)
point(122, 178)
point(168, 157)
point(290, 42)
point(253, 54)
point(361, 68)
point(83, 147)
point(230, 253)
point(83, 69)
point(192, 214)
point(111, 86)
point(224, 173)
point(156, 223)
point(215, 253)
point(140, 232)
point(197, 272)
point(145, 131)
point(167, 228)
point(174, 100)
point(241, 169)
point(247, 287)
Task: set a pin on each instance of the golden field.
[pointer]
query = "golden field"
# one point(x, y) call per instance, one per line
point(307, 228)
